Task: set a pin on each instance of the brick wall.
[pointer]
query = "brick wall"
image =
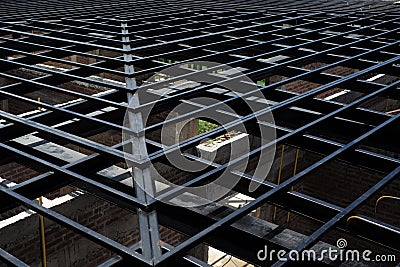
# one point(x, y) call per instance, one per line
point(16, 172)
point(341, 184)
point(64, 248)
point(338, 183)
point(303, 86)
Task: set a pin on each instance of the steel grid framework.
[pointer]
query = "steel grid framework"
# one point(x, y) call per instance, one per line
point(148, 43)
point(20, 10)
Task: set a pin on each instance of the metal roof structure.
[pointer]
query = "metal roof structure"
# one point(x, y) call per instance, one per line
point(131, 44)
point(22, 10)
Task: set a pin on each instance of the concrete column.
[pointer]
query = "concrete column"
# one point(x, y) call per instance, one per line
point(4, 105)
point(178, 132)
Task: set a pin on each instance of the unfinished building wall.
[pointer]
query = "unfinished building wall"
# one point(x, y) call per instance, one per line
point(64, 248)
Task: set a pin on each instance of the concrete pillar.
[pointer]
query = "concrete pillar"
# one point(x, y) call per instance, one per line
point(4, 105)
point(178, 132)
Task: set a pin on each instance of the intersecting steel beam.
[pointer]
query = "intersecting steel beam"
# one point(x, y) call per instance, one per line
point(92, 235)
point(191, 242)
point(313, 238)
point(182, 39)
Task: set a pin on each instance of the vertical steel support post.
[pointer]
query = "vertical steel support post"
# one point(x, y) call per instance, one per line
point(144, 185)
